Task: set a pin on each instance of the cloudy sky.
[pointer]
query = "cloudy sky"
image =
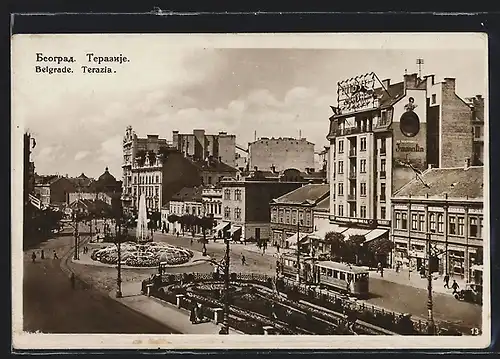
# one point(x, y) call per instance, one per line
point(174, 83)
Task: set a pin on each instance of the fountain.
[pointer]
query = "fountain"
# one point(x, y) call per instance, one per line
point(144, 252)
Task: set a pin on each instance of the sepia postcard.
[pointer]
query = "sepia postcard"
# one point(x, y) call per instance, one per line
point(252, 191)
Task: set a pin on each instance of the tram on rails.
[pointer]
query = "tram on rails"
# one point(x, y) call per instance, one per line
point(327, 274)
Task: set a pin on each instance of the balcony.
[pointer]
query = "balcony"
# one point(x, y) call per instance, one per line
point(352, 152)
point(382, 174)
point(352, 175)
point(382, 152)
point(348, 131)
point(351, 197)
point(382, 198)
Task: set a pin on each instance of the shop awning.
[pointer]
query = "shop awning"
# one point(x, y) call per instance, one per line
point(376, 233)
point(234, 229)
point(322, 231)
point(221, 226)
point(354, 231)
point(293, 238)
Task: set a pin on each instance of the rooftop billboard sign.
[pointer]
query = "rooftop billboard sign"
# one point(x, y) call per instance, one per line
point(357, 94)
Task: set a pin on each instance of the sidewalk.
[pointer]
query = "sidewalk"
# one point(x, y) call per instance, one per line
point(165, 313)
point(413, 279)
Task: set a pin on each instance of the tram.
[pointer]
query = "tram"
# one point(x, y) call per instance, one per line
point(328, 274)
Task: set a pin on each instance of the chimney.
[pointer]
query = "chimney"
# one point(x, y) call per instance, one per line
point(450, 83)
point(386, 83)
point(432, 78)
point(66, 175)
point(410, 81)
point(466, 163)
point(255, 168)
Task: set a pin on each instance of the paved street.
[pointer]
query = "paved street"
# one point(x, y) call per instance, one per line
point(393, 296)
point(51, 306)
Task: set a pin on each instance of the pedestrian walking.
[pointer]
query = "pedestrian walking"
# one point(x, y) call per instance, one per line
point(243, 260)
point(447, 281)
point(455, 286)
point(379, 267)
point(397, 267)
point(33, 257)
point(201, 317)
point(382, 272)
point(42, 254)
point(55, 254)
point(72, 280)
point(278, 248)
point(193, 317)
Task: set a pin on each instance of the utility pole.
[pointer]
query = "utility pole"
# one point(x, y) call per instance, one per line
point(430, 316)
point(75, 219)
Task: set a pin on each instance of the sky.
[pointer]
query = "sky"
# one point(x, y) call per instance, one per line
point(238, 85)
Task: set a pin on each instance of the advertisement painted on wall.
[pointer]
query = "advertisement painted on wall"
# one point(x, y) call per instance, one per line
point(357, 93)
point(410, 129)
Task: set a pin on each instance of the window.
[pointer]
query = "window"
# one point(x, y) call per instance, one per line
point(362, 166)
point(341, 146)
point(227, 194)
point(382, 191)
point(383, 119)
point(480, 227)
point(287, 216)
point(382, 165)
point(404, 220)
point(432, 222)
point(461, 226)
point(294, 217)
point(237, 195)
point(382, 212)
point(382, 146)
point(237, 213)
point(341, 189)
point(281, 215)
point(433, 98)
point(452, 224)
point(301, 217)
point(440, 222)
point(473, 227)
point(362, 189)
point(308, 218)
point(477, 131)
point(135, 179)
point(157, 179)
point(398, 220)
point(227, 212)
point(341, 166)
point(362, 144)
point(362, 210)
point(274, 215)
point(341, 210)
point(421, 222)
point(209, 178)
point(157, 190)
point(414, 221)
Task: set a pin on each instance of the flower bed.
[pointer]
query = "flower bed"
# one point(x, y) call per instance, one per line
point(144, 255)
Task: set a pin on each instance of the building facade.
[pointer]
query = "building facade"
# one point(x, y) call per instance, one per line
point(444, 210)
point(200, 146)
point(295, 210)
point(133, 147)
point(382, 134)
point(212, 202)
point(246, 203)
point(53, 190)
point(281, 154)
point(477, 107)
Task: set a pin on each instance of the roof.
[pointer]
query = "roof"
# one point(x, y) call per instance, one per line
point(455, 182)
point(46, 180)
point(323, 205)
point(307, 194)
point(214, 165)
point(396, 91)
point(188, 194)
point(107, 177)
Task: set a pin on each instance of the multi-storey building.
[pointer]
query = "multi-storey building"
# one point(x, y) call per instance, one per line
point(443, 209)
point(381, 134)
point(187, 201)
point(477, 106)
point(294, 210)
point(53, 190)
point(200, 146)
point(132, 147)
point(246, 203)
point(212, 202)
point(281, 154)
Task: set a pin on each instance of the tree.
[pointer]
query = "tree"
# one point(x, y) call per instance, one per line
point(336, 242)
point(206, 223)
point(380, 247)
point(172, 218)
point(354, 247)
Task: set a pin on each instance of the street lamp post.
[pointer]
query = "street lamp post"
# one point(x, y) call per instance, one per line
point(298, 250)
point(118, 237)
point(226, 291)
point(76, 234)
point(430, 316)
